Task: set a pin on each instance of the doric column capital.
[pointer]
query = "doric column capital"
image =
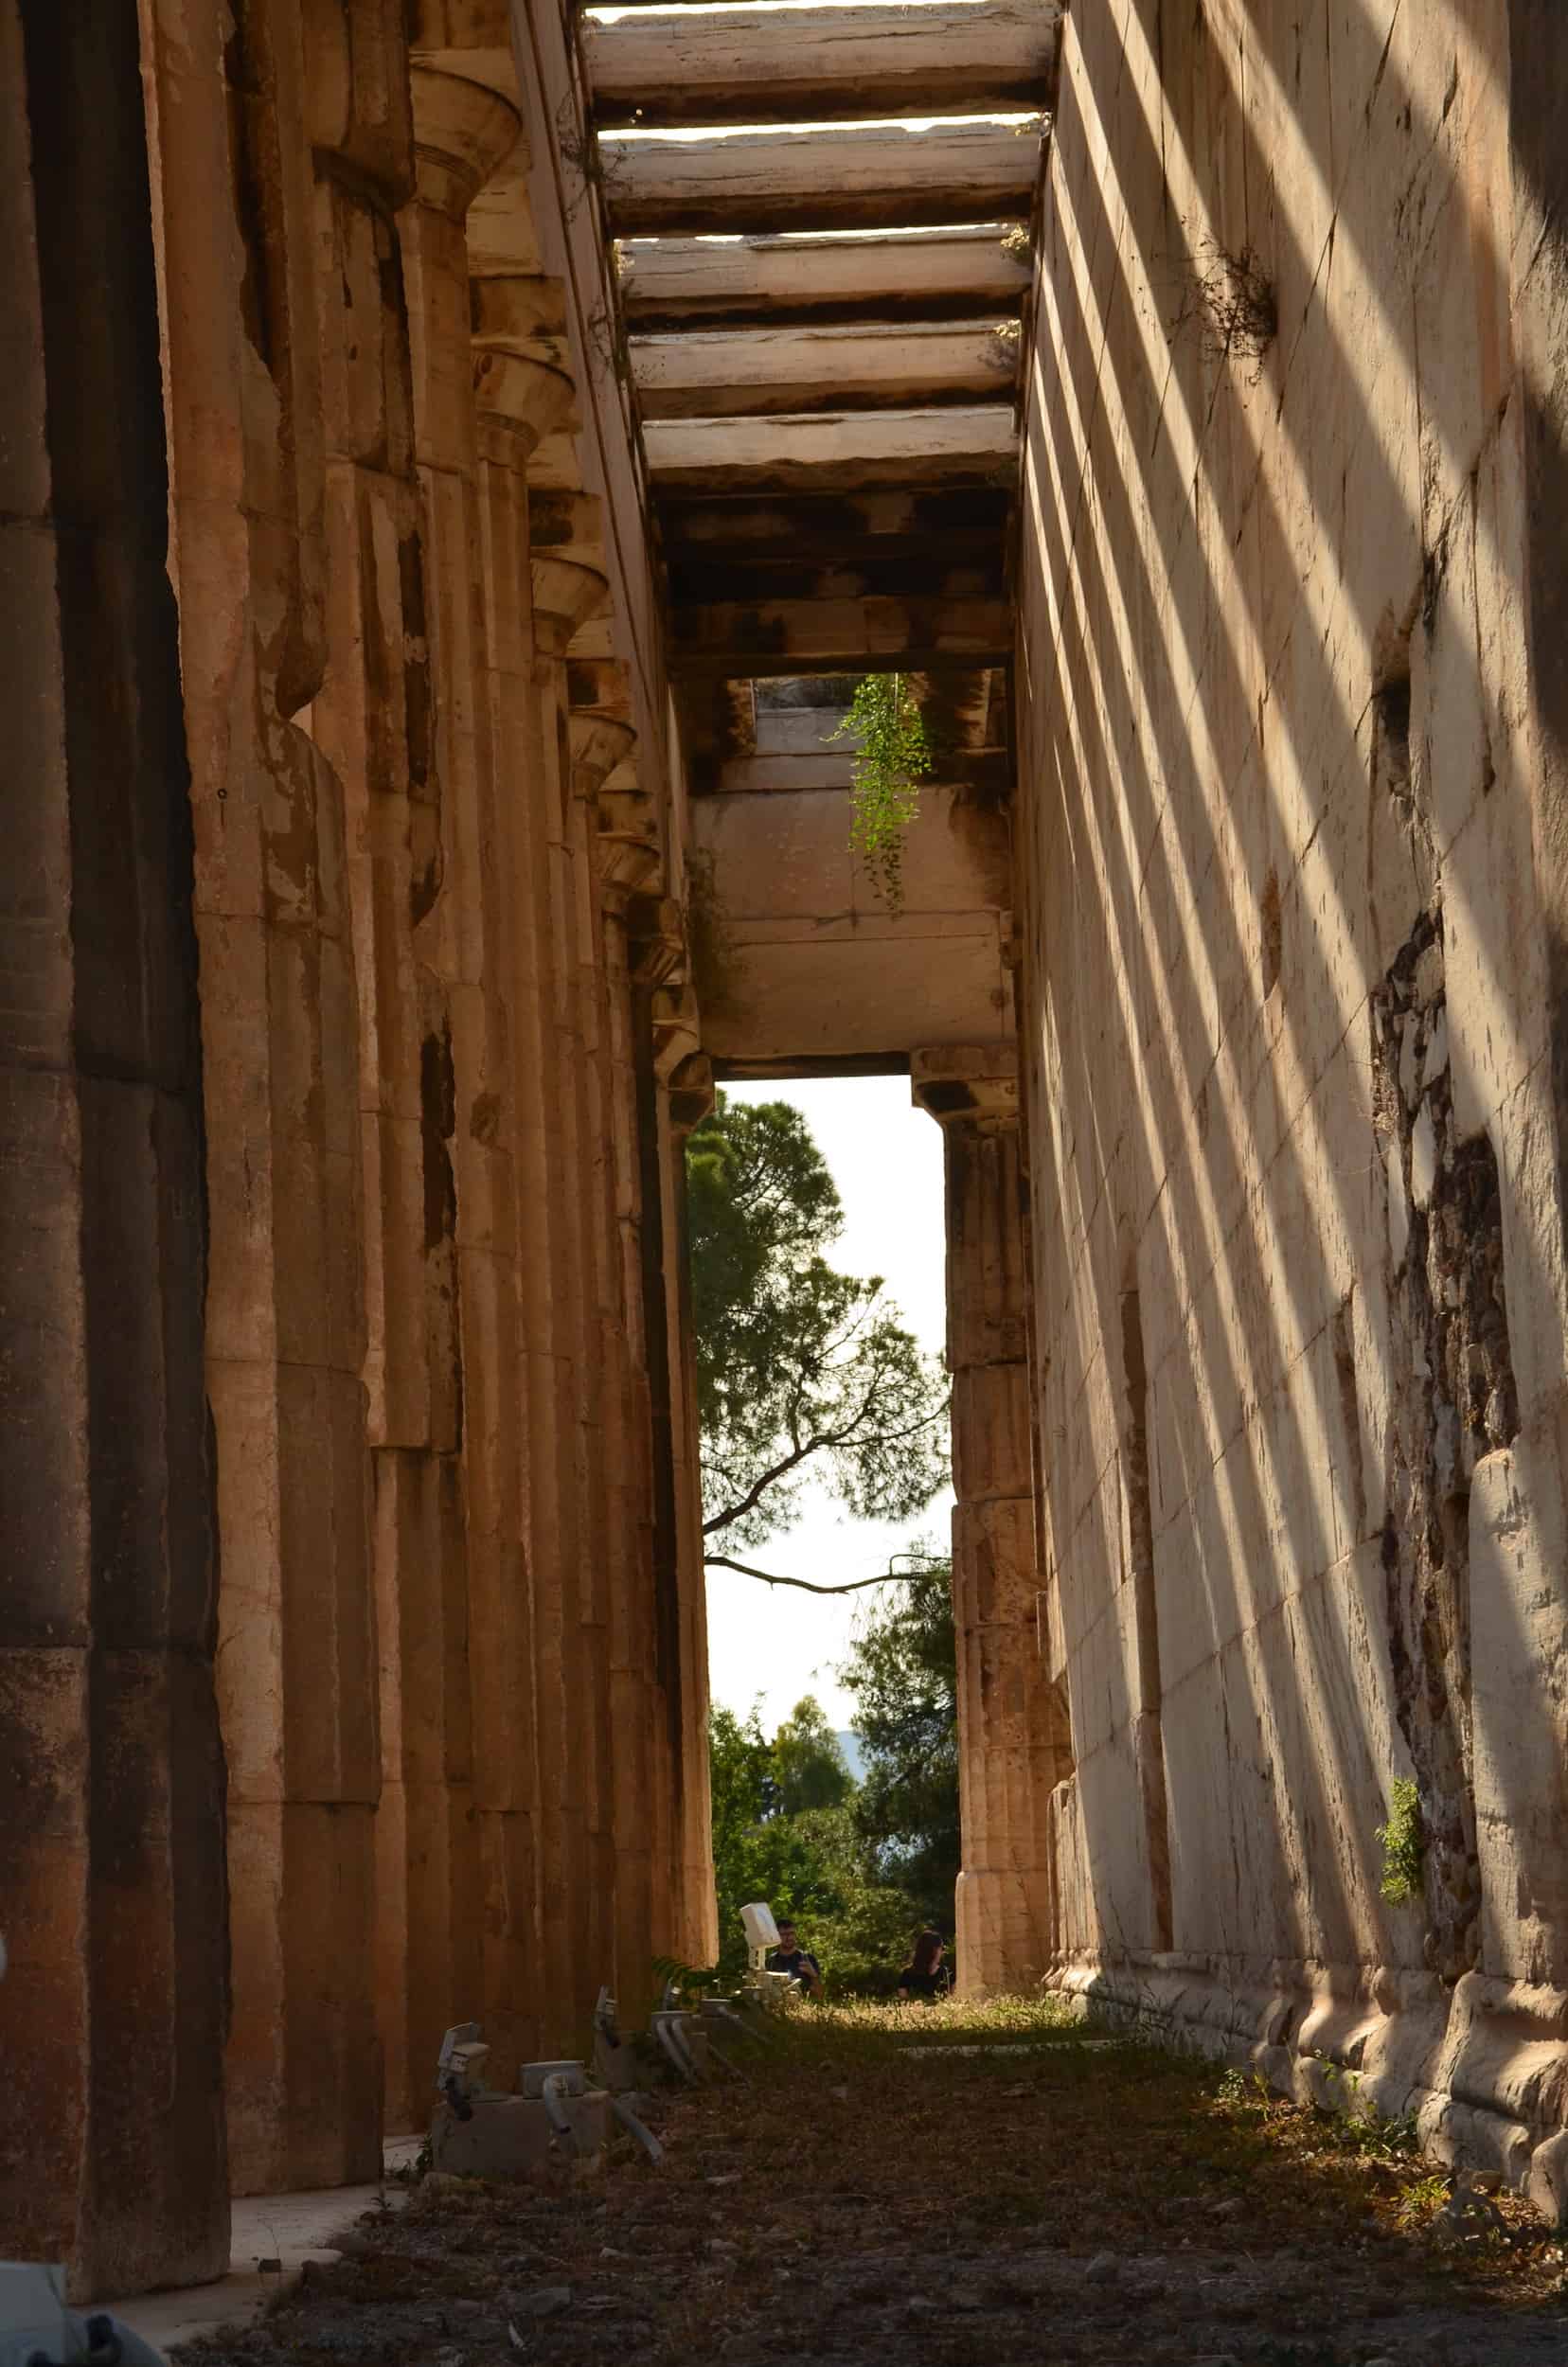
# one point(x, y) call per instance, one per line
point(522, 363)
point(597, 690)
point(657, 930)
point(677, 1026)
point(626, 866)
point(520, 310)
point(973, 1082)
point(627, 845)
point(690, 1094)
point(468, 37)
point(520, 395)
point(625, 805)
point(598, 743)
point(603, 683)
point(564, 595)
point(462, 132)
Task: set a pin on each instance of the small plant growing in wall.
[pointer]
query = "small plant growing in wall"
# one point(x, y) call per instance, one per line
point(893, 757)
point(1232, 298)
point(1403, 1845)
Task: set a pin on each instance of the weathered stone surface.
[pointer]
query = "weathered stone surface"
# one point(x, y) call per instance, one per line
point(113, 2009)
point(352, 1026)
point(1009, 1726)
point(419, 1115)
point(1289, 745)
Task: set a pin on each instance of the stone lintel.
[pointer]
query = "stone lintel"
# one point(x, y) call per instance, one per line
point(571, 525)
point(959, 1081)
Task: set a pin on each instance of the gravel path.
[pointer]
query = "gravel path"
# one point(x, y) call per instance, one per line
point(1053, 2204)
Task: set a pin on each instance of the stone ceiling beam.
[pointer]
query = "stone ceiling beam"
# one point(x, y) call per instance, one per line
point(754, 63)
point(868, 635)
point(869, 276)
point(821, 177)
point(850, 452)
point(981, 772)
point(952, 1082)
point(813, 530)
point(719, 373)
point(930, 573)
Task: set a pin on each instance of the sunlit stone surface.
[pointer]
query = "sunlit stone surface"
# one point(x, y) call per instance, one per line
point(422, 781)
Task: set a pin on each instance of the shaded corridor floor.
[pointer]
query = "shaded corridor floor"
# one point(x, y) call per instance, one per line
point(1050, 2203)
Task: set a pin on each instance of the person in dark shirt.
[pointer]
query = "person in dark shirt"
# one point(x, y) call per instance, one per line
point(925, 1975)
point(798, 1961)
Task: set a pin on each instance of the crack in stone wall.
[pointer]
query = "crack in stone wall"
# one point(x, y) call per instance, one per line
point(1452, 1400)
point(1149, 1742)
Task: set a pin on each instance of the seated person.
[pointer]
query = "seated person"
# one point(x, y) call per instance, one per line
point(925, 1975)
point(798, 1961)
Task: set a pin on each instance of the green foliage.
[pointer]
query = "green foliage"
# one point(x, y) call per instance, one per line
point(756, 1852)
point(1403, 1845)
point(892, 758)
point(1421, 2202)
point(1358, 2127)
point(801, 1370)
point(902, 1673)
point(810, 1770)
point(779, 1836)
point(1246, 2092)
point(866, 1940)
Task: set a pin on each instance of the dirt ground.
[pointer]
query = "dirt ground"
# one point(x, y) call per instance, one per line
point(872, 2194)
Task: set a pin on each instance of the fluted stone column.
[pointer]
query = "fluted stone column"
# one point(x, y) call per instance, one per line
point(562, 1156)
point(682, 1084)
point(1006, 1742)
point(242, 370)
point(519, 398)
point(682, 1097)
point(308, 2063)
point(640, 1772)
point(575, 1703)
point(110, 1771)
point(448, 1548)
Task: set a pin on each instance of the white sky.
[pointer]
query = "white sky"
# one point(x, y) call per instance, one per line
point(885, 1156)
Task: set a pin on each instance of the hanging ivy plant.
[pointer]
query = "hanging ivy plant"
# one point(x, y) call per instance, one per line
point(891, 762)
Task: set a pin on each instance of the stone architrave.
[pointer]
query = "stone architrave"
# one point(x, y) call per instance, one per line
point(1006, 1753)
